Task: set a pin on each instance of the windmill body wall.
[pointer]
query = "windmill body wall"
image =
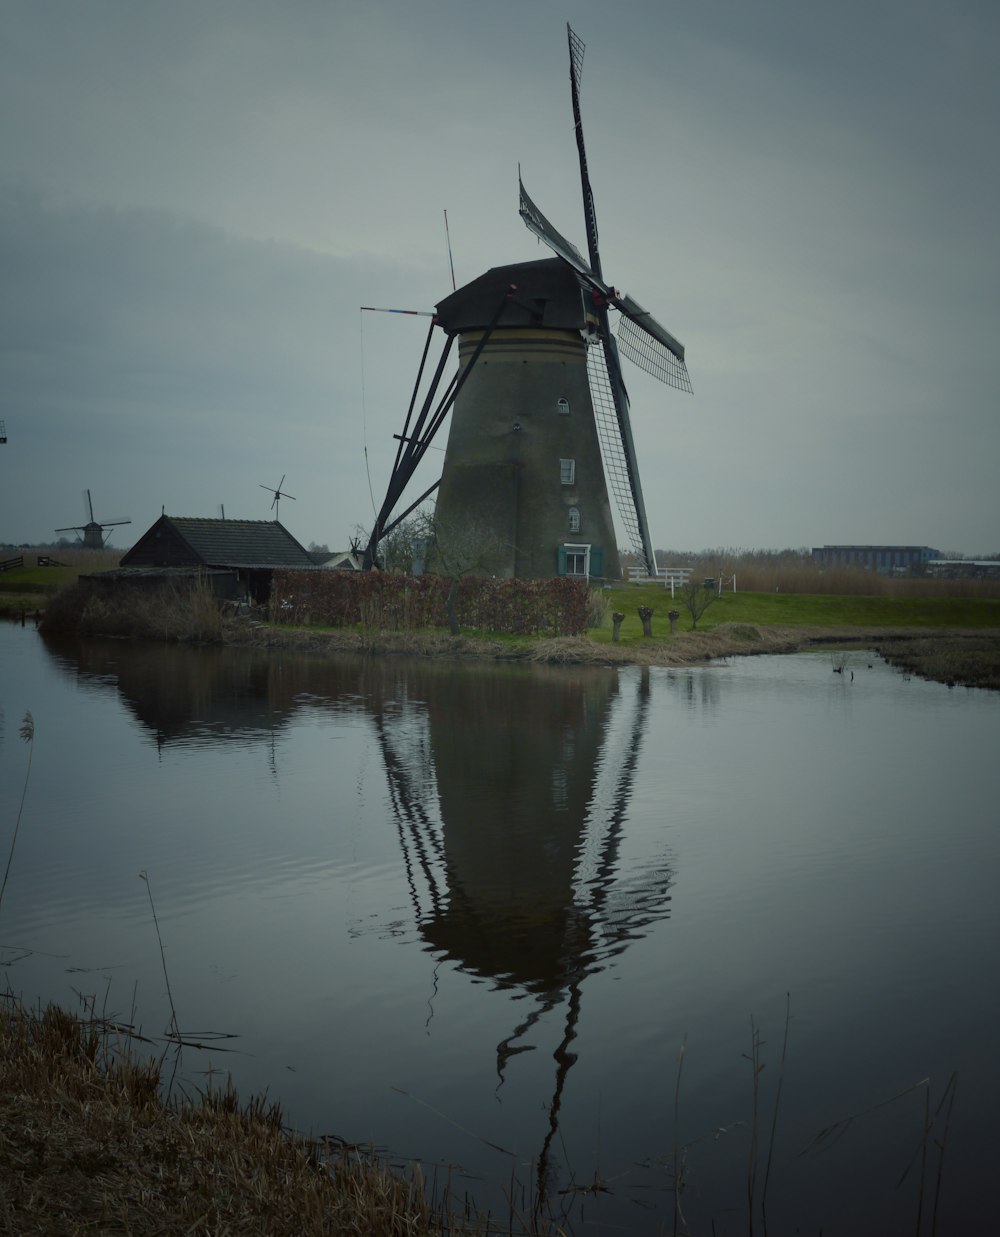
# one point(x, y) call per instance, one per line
point(523, 475)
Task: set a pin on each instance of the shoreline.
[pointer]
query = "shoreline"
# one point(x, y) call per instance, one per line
point(955, 656)
point(958, 657)
point(91, 1141)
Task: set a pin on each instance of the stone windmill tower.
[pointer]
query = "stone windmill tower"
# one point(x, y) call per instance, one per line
point(540, 432)
point(523, 475)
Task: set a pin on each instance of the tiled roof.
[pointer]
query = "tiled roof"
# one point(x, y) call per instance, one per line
point(241, 543)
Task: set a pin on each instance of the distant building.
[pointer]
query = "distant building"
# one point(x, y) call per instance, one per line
point(885, 559)
point(248, 551)
point(342, 560)
point(964, 568)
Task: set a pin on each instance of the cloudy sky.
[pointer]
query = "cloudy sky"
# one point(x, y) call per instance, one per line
point(197, 196)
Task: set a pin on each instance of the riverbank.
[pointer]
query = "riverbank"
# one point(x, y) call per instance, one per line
point(969, 658)
point(952, 639)
point(89, 1145)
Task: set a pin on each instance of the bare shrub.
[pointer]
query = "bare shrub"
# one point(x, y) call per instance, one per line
point(696, 596)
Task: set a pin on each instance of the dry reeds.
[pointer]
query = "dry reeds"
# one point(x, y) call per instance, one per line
point(972, 660)
point(805, 577)
point(27, 733)
point(598, 608)
point(173, 612)
point(88, 1145)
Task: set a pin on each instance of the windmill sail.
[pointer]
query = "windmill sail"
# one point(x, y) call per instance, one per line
point(651, 346)
point(576, 50)
point(643, 340)
point(617, 448)
point(536, 222)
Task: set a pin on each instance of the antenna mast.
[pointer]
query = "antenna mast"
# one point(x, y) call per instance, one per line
point(451, 264)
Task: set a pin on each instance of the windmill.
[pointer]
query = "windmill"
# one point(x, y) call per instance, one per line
point(93, 534)
point(279, 494)
point(541, 428)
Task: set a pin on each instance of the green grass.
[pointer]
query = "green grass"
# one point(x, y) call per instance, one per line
point(799, 610)
point(44, 580)
point(29, 587)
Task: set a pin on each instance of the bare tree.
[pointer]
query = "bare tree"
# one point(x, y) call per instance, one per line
point(422, 543)
point(696, 596)
point(455, 551)
point(400, 547)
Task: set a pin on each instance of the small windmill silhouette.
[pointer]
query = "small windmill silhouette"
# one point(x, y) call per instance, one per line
point(94, 536)
point(279, 494)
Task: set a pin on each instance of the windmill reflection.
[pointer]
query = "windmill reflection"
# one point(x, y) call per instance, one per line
point(509, 788)
point(511, 794)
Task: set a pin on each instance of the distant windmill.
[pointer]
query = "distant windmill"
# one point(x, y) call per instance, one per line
point(540, 431)
point(279, 494)
point(93, 534)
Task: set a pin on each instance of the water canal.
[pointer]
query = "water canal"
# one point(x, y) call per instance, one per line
point(470, 913)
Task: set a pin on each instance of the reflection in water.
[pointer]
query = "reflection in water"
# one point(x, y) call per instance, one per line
point(511, 794)
point(184, 696)
point(519, 817)
point(509, 788)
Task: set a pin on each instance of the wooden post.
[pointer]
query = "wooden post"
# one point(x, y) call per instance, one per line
point(617, 618)
point(674, 615)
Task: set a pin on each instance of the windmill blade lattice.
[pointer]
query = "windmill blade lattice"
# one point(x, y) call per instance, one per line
point(644, 347)
point(612, 451)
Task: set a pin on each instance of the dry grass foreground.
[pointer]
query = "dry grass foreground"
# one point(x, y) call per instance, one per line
point(88, 1146)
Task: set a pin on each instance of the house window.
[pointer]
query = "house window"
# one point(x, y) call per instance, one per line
point(574, 519)
point(562, 406)
point(567, 472)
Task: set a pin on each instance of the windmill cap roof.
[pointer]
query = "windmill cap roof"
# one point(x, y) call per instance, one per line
point(547, 294)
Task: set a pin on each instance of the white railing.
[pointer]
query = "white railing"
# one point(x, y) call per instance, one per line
point(669, 577)
point(677, 577)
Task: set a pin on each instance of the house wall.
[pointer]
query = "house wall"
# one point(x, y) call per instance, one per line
point(160, 546)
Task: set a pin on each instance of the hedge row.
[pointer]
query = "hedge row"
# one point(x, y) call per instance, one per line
point(388, 601)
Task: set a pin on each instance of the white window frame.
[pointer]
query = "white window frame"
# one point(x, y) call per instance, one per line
point(573, 519)
point(562, 406)
point(567, 472)
point(576, 551)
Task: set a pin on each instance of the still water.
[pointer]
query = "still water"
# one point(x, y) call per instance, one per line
point(471, 913)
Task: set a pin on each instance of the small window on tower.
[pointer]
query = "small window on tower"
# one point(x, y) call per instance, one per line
point(574, 560)
point(567, 472)
point(574, 519)
point(562, 406)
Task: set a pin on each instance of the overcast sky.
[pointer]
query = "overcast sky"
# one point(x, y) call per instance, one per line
point(196, 199)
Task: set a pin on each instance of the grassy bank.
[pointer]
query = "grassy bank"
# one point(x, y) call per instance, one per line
point(970, 658)
point(89, 1145)
point(955, 639)
point(928, 609)
point(30, 588)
